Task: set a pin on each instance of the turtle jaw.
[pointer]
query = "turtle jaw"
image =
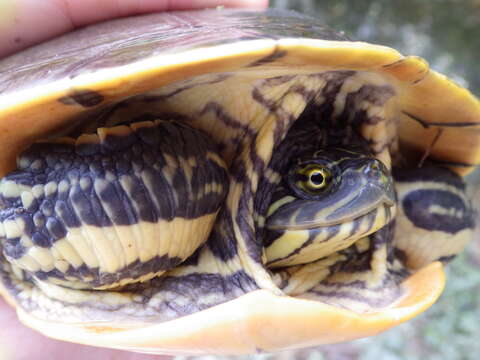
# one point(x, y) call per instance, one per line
point(305, 245)
point(289, 217)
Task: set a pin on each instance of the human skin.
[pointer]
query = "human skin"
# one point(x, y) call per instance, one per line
point(24, 23)
point(27, 22)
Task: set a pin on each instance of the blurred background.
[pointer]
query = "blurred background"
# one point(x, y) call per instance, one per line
point(447, 34)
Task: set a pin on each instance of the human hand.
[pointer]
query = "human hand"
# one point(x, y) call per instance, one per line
point(27, 22)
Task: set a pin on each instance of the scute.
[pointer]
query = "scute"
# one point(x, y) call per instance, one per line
point(244, 81)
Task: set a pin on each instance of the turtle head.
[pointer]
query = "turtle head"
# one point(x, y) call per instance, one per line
point(326, 201)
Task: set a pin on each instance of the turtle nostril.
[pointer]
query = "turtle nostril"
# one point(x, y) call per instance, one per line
point(375, 169)
point(372, 170)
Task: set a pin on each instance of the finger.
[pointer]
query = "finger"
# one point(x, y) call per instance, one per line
point(27, 22)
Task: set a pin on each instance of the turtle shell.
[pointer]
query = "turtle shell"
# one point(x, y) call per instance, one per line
point(243, 78)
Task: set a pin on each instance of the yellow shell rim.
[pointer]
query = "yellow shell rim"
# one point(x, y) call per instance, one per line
point(257, 321)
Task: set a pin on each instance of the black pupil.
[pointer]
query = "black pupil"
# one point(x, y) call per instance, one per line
point(317, 178)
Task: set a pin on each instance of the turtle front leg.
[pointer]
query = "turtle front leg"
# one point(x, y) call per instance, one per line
point(363, 277)
point(435, 218)
point(114, 208)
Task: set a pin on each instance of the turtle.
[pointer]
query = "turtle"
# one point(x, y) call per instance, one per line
point(228, 182)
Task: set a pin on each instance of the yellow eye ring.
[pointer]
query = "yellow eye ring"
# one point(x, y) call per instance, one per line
point(315, 178)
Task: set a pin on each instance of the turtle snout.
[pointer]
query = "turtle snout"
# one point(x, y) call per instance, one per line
point(378, 176)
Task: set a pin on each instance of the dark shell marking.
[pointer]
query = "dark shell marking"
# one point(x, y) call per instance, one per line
point(433, 208)
point(275, 55)
point(85, 98)
point(451, 214)
point(427, 124)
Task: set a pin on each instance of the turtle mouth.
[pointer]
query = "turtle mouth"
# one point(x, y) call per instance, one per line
point(307, 244)
point(328, 220)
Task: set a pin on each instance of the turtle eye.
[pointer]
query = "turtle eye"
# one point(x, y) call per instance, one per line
point(313, 178)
